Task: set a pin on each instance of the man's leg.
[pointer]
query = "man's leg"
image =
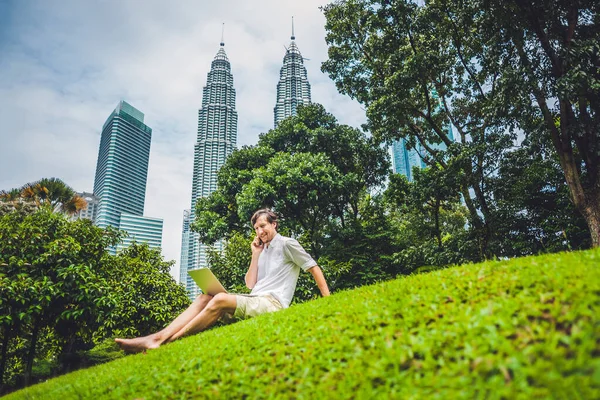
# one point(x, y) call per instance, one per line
point(220, 304)
point(156, 339)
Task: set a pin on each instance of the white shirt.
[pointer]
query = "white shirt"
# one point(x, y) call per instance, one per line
point(279, 265)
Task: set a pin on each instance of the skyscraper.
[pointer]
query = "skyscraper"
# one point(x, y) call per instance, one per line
point(122, 167)
point(121, 174)
point(293, 88)
point(185, 243)
point(217, 136)
point(403, 159)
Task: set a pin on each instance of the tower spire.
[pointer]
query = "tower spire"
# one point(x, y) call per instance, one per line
point(223, 35)
point(293, 36)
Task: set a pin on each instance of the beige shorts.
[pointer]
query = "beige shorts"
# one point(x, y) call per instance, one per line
point(251, 306)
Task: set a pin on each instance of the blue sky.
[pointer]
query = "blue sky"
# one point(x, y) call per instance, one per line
point(65, 64)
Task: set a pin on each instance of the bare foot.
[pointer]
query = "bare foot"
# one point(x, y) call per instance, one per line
point(138, 345)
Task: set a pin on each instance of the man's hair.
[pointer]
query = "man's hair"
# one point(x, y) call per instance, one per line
point(270, 215)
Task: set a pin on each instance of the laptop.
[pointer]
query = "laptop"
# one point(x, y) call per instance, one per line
point(207, 281)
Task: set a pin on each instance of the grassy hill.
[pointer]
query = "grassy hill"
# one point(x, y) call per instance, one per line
point(524, 328)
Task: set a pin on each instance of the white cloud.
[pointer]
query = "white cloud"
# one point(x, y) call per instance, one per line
point(65, 66)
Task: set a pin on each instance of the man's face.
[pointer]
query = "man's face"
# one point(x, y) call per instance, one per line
point(264, 229)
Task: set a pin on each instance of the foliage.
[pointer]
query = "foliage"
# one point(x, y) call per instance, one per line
point(416, 72)
point(312, 169)
point(47, 192)
point(430, 221)
point(61, 292)
point(524, 328)
point(148, 297)
point(49, 279)
point(231, 265)
point(534, 211)
point(489, 68)
point(550, 56)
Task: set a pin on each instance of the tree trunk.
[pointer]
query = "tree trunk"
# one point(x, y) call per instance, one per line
point(591, 212)
point(438, 233)
point(31, 355)
point(587, 201)
point(5, 341)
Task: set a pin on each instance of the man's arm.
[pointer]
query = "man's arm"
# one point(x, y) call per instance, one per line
point(252, 274)
point(320, 279)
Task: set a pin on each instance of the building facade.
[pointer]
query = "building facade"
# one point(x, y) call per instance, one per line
point(140, 229)
point(121, 175)
point(216, 140)
point(91, 209)
point(293, 88)
point(122, 168)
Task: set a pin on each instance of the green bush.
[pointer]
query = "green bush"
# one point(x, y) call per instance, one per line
point(523, 328)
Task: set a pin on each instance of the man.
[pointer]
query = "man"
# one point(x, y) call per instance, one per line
point(272, 276)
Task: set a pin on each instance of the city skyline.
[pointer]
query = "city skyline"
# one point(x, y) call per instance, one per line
point(60, 66)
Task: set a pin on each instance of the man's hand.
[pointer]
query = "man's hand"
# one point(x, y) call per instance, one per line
point(257, 246)
point(252, 275)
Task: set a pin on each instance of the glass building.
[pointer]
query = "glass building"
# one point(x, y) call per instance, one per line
point(293, 88)
point(121, 174)
point(217, 137)
point(403, 159)
point(141, 230)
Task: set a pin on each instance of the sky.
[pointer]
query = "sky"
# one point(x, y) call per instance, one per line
point(65, 65)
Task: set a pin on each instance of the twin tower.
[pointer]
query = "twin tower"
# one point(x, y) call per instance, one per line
point(217, 137)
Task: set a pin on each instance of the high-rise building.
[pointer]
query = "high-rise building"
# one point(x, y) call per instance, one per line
point(121, 175)
point(293, 88)
point(185, 242)
point(122, 167)
point(403, 159)
point(217, 137)
point(91, 209)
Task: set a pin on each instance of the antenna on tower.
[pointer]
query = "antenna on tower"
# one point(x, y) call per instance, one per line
point(293, 37)
point(223, 34)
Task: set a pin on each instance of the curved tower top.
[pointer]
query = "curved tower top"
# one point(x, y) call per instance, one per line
point(293, 88)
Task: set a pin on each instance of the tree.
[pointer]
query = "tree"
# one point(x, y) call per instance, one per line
point(49, 278)
point(534, 212)
point(489, 68)
point(147, 298)
point(416, 73)
point(429, 219)
point(551, 53)
point(61, 293)
point(47, 192)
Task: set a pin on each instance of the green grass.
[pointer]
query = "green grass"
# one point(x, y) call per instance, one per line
point(524, 328)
